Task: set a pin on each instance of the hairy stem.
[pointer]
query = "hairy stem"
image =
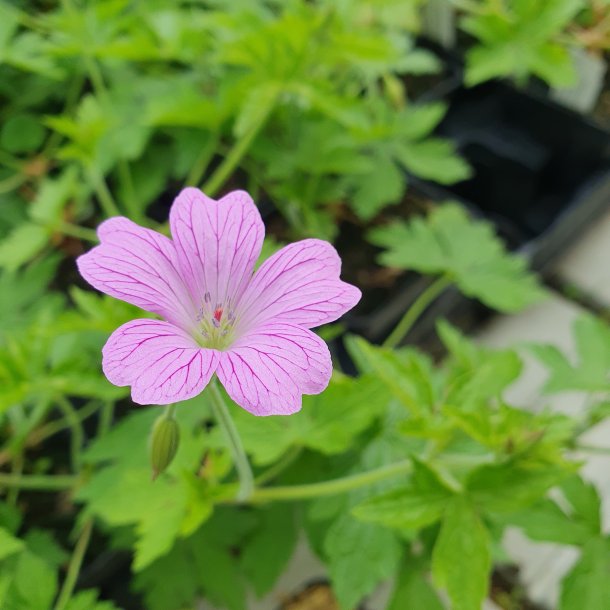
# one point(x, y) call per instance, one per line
point(417, 308)
point(242, 465)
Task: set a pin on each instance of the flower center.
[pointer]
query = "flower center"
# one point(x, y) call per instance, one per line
point(216, 324)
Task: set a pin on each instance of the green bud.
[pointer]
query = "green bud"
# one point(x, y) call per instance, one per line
point(164, 442)
point(395, 91)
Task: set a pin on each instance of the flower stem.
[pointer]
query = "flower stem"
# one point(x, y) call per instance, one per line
point(329, 488)
point(84, 233)
point(74, 567)
point(242, 465)
point(39, 482)
point(417, 308)
point(107, 202)
point(77, 435)
point(238, 150)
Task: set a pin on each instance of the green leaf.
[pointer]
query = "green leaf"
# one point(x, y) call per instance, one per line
point(461, 559)
point(270, 547)
point(88, 600)
point(9, 545)
point(547, 522)
point(407, 374)
point(419, 503)
point(203, 563)
point(584, 500)
point(587, 585)
point(449, 242)
point(329, 422)
point(591, 372)
point(123, 493)
point(23, 244)
point(22, 133)
point(53, 196)
point(511, 486)
point(354, 573)
point(414, 592)
point(33, 586)
point(434, 159)
point(383, 185)
point(520, 40)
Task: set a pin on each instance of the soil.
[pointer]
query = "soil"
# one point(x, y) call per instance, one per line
point(316, 596)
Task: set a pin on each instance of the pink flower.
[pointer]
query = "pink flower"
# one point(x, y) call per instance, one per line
point(252, 330)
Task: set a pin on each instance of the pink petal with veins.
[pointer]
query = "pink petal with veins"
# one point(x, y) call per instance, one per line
point(269, 369)
point(298, 285)
point(218, 242)
point(161, 362)
point(139, 266)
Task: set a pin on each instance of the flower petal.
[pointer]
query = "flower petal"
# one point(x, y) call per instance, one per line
point(161, 362)
point(298, 285)
point(139, 266)
point(268, 370)
point(218, 242)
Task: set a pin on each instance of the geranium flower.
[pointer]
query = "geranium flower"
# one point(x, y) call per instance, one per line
point(251, 329)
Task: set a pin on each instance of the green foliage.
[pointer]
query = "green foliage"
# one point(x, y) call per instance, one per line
point(447, 242)
point(586, 585)
point(329, 422)
point(419, 503)
point(591, 371)
point(407, 472)
point(461, 560)
point(520, 39)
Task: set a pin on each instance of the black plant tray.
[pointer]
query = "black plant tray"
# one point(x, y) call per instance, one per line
point(541, 171)
point(541, 174)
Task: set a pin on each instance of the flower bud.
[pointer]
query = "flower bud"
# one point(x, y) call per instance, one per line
point(395, 91)
point(164, 442)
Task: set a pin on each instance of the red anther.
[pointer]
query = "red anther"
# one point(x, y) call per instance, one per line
point(218, 314)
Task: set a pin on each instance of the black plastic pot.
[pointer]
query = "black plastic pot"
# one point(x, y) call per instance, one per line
point(541, 171)
point(541, 174)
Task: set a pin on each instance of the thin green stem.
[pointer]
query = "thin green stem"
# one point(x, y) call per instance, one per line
point(77, 434)
point(17, 471)
point(238, 150)
point(329, 488)
point(39, 482)
point(131, 203)
point(106, 416)
point(417, 308)
point(274, 471)
point(242, 465)
point(74, 567)
point(201, 163)
point(84, 233)
point(104, 196)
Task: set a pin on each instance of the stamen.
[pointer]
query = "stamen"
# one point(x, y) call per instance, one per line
point(206, 297)
point(218, 313)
